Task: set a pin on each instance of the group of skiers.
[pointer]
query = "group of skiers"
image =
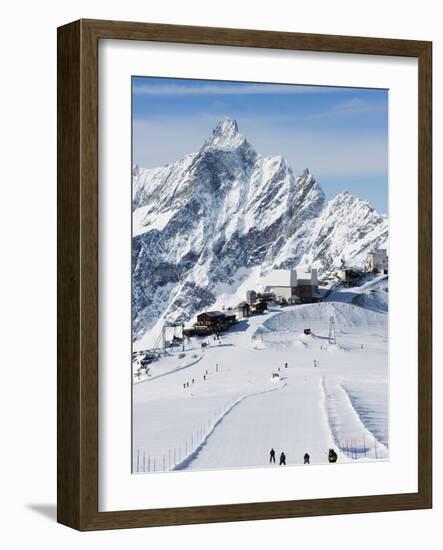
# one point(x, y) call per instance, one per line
point(205, 377)
point(332, 457)
point(282, 457)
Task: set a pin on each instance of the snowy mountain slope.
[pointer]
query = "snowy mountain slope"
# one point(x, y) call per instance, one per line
point(212, 217)
point(347, 228)
point(226, 409)
point(347, 317)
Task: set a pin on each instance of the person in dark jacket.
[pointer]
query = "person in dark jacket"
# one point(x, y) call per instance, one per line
point(332, 457)
point(283, 459)
point(306, 458)
point(272, 456)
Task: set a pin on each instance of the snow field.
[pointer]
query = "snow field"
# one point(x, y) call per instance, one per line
point(349, 432)
point(232, 419)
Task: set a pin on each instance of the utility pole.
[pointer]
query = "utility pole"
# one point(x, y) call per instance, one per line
point(164, 338)
point(332, 339)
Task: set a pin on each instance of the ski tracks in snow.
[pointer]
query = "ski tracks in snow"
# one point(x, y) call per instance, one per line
point(348, 430)
point(186, 462)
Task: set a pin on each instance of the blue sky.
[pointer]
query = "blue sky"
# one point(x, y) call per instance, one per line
point(340, 134)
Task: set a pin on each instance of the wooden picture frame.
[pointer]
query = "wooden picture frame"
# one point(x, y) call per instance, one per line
point(78, 274)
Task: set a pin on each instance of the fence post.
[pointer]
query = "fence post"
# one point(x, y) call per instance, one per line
point(164, 468)
point(375, 448)
point(364, 443)
point(144, 461)
point(154, 463)
point(169, 459)
point(149, 463)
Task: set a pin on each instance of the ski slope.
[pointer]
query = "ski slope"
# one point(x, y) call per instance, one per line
point(277, 420)
point(250, 403)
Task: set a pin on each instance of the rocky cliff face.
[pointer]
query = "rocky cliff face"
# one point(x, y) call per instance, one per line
point(211, 217)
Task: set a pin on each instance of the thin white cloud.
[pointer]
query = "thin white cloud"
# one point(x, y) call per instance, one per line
point(352, 107)
point(227, 89)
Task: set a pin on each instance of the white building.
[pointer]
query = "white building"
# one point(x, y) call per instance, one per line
point(377, 260)
point(291, 283)
point(280, 282)
point(307, 277)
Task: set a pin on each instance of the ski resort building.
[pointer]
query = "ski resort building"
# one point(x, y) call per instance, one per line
point(377, 261)
point(243, 310)
point(214, 321)
point(260, 306)
point(251, 296)
point(350, 276)
point(292, 286)
point(281, 282)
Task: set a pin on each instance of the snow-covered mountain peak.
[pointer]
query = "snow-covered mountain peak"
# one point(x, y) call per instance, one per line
point(305, 179)
point(225, 135)
point(346, 200)
point(205, 223)
point(345, 196)
point(309, 197)
point(226, 126)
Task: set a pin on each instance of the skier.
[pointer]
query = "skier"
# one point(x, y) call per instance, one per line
point(272, 456)
point(332, 457)
point(315, 363)
point(286, 365)
point(306, 459)
point(283, 459)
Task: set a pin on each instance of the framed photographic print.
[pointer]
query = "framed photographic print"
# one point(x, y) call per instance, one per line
point(244, 275)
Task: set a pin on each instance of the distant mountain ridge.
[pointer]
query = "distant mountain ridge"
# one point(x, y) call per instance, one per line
point(210, 218)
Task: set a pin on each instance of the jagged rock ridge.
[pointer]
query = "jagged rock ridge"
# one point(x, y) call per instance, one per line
point(212, 216)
